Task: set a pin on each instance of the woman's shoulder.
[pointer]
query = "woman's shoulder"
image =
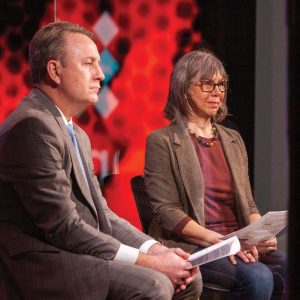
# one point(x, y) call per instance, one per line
point(160, 132)
point(230, 132)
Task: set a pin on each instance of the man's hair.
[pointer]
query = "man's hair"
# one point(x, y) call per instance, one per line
point(48, 43)
point(199, 65)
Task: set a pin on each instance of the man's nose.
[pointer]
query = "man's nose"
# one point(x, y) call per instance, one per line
point(99, 73)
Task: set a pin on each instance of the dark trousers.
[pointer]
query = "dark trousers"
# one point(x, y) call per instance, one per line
point(261, 280)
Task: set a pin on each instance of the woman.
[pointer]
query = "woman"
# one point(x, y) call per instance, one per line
point(196, 177)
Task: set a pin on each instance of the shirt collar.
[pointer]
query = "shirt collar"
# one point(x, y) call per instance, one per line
point(64, 117)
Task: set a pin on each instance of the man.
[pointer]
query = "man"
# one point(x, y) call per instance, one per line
point(58, 238)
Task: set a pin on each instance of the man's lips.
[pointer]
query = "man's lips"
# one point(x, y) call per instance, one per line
point(96, 89)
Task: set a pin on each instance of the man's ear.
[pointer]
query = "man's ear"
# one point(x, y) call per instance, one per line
point(53, 70)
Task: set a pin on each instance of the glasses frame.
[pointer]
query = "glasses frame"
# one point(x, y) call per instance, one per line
point(202, 82)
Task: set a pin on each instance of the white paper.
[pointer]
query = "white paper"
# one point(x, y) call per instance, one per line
point(268, 226)
point(228, 247)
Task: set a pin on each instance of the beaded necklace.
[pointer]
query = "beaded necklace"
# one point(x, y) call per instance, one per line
point(201, 140)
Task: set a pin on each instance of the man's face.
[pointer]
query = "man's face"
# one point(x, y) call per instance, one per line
point(80, 74)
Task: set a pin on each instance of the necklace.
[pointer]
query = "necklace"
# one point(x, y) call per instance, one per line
point(206, 142)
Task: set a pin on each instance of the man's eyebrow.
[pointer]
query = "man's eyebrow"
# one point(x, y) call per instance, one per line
point(92, 57)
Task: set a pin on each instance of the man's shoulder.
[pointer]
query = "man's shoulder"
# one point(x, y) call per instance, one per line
point(29, 107)
point(24, 116)
point(30, 119)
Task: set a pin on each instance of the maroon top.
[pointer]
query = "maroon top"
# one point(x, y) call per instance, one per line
point(219, 203)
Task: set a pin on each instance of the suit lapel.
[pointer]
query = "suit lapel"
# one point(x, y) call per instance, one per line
point(233, 157)
point(189, 167)
point(79, 176)
point(103, 220)
point(229, 145)
point(46, 103)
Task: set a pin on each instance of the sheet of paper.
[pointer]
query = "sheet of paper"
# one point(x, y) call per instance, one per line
point(228, 247)
point(268, 226)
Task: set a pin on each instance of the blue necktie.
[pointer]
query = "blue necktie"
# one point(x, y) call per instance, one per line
point(75, 144)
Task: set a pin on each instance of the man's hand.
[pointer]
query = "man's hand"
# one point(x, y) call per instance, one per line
point(172, 262)
point(193, 271)
point(157, 248)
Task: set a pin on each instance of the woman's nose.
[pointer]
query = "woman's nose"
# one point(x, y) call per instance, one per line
point(216, 90)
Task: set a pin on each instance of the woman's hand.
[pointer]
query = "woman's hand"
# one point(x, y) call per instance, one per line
point(248, 254)
point(267, 246)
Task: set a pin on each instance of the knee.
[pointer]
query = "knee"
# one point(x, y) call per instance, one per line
point(192, 291)
point(196, 286)
point(159, 287)
point(260, 281)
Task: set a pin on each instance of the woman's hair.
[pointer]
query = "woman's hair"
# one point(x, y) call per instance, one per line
point(48, 43)
point(201, 64)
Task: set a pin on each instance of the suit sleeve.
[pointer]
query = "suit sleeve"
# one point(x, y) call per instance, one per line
point(31, 160)
point(160, 182)
point(122, 230)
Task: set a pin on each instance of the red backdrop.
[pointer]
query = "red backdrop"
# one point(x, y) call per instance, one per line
point(142, 40)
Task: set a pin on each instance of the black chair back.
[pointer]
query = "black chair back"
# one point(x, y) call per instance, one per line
point(141, 201)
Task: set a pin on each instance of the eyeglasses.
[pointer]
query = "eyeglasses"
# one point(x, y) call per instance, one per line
point(208, 86)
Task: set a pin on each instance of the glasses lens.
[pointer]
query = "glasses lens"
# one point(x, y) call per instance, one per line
point(207, 86)
point(222, 86)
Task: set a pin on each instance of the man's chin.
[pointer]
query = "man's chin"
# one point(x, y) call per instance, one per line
point(92, 100)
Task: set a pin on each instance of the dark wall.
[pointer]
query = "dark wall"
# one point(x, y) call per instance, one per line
point(294, 138)
point(228, 29)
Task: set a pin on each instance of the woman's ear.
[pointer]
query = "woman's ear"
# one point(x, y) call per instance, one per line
point(53, 70)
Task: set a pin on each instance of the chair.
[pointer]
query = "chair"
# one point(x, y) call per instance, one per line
point(141, 201)
point(210, 291)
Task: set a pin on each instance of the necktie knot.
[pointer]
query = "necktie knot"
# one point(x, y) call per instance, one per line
point(72, 134)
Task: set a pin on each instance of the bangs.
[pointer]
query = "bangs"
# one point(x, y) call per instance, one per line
point(210, 66)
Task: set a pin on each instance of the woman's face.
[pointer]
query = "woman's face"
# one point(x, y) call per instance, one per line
point(205, 97)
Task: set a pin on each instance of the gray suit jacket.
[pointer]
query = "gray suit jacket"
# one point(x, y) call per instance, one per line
point(175, 185)
point(48, 213)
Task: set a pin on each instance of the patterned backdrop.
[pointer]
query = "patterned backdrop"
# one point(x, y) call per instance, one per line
point(138, 41)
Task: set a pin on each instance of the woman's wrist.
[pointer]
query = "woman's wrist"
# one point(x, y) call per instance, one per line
point(213, 237)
